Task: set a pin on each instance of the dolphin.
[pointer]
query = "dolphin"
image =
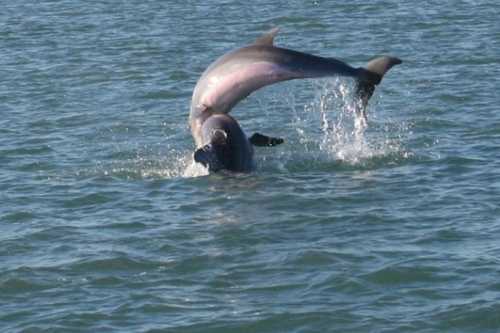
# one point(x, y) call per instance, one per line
point(220, 142)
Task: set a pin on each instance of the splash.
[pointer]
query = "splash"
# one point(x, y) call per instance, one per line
point(344, 133)
point(331, 132)
point(172, 164)
point(194, 169)
point(149, 165)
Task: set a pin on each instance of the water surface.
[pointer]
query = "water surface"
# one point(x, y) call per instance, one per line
point(106, 225)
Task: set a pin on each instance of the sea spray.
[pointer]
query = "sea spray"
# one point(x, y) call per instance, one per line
point(344, 134)
point(148, 164)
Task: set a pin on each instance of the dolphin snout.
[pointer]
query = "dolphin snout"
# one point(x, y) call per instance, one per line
point(207, 156)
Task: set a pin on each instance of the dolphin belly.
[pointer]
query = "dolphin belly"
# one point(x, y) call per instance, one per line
point(223, 92)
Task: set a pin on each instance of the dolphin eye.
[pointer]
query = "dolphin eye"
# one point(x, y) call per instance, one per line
point(219, 137)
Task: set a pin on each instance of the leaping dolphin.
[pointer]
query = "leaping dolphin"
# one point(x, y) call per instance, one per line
point(220, 141)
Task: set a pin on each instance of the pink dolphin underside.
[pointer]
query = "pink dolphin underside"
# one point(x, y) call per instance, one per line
point(224, 91)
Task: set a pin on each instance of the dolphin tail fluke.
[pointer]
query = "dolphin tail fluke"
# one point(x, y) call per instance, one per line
point(370, 76)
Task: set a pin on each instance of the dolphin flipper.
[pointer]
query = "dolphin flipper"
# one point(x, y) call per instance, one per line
point(261, 140)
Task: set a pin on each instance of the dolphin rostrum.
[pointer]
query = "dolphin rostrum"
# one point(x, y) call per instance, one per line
point(220, 141)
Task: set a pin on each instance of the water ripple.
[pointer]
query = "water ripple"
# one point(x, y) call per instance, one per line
point(107, 224)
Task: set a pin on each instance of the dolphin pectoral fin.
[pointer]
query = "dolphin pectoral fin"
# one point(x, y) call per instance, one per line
point(268, 37)
point(261, 140)
point(370, 76)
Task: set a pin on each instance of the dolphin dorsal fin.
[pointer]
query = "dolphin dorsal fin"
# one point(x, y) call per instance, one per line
point(268, 37)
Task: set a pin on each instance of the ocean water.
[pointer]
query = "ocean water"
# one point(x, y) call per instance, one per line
point(107, 226)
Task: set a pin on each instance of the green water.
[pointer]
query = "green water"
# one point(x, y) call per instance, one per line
point(106, 225)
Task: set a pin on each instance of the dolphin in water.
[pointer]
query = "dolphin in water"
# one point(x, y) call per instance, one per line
point(220, 142)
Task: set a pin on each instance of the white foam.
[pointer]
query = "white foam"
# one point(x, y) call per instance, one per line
point(343, 130)
point(194, 169)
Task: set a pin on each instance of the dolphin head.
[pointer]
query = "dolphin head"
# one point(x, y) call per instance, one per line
point(216, 155)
